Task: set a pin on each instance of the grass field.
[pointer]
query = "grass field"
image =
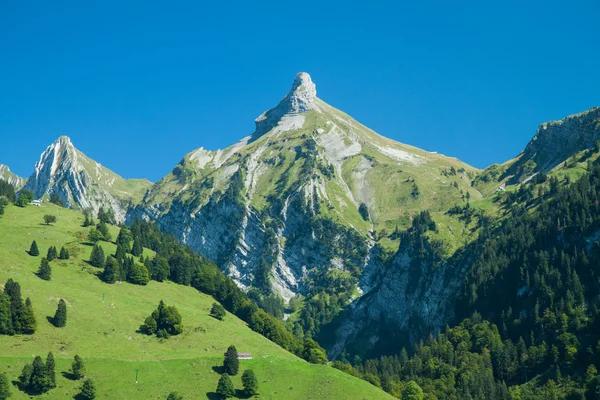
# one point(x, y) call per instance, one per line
point(104, 332)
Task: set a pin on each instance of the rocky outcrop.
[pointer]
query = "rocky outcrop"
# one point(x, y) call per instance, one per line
point(10, 177)
point(79, 181)
point(556, 141)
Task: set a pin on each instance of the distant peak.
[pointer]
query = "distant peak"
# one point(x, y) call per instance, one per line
point(63, 140)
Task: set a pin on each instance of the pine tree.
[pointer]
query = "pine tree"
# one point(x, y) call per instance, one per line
point(28, 322)
point(33, 250)
point(78, 367)
point(225, 387)
point(40, 381)
point(4, 387)
point(97, 256)
point(231, 364)
point(51, 253)
point(60, 317)
point(45, 271)
point(111, 270)
point(250, 382)
point(64, 254)
point(88, 390)
point(50, 367)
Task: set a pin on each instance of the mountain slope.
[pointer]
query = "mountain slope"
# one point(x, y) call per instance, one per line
point(103, 319)
point(12, 178)
point(81, 182)
point(307, 198)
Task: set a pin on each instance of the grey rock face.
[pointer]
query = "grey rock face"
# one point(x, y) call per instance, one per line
point(13, 179)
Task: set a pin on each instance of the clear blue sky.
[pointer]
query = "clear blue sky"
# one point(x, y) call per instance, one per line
point(139, 85)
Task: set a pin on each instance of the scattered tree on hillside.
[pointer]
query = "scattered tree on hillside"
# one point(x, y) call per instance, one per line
point(225, 387)
point(45, 271)
point(111, 270)
point(4, 387)
point(25, 197)
point(52, 253)
point(314, 353)
point(97, 258)
point(363, 210)
point(231, 363)
point(164, 322)
point(95, 235)
point(64, 254)
point(35, 378)
point(50, 367)
point(250, 382)
point(103, 229)
point(60, 316)
point(49, 219)
point(78, 367)
point(217, 311)
point(137, 249)
point(88, 390)
point(33, 250)
point(15, 317)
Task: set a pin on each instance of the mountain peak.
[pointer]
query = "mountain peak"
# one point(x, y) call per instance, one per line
point(64, 140)
point(301, 98)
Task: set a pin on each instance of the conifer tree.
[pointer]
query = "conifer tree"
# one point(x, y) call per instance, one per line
point(111, 270)
point(28, 322)
point(25, 376)
point(60, 317)
point(88, 390)
point(97, 256)
point(138, 274)
point(50, 367)
point(124, 239)
point(4, 387)
point(40, 381)
point(225, 387)
point(137, 248)
point(231, 364)
point(52, 253)
point(103, 229)
point(78, 367)
point(33, 250)
point(250, 382)
point(1, 208)
point(64, 254)
point(13, 290)
point(6, 324)
point(45, 271)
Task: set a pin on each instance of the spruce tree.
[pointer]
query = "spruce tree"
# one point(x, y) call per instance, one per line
point(25, 376)
point(50, 367)
point(13, 290)
point(250, 382)
point(137, 248)
point(39, 382)
point(103, 229)
point(60, 317)
point(6, 324)
point(97, 256)
point(28, 322)
point(231, 364)
point(33, 250)
point(45, 271)
point(111, 270)
point(78, 367)
point(88, 390)
point(52, 253)
point(64, 254)
point(4, 387)
point(225, 387)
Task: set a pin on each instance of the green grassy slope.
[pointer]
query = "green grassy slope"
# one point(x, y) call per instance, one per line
point(103, 332)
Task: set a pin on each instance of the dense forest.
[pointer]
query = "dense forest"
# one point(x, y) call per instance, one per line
point(527, 323)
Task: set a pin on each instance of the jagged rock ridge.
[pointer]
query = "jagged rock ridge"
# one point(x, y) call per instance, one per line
point(12, 178)
point(81, 182)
